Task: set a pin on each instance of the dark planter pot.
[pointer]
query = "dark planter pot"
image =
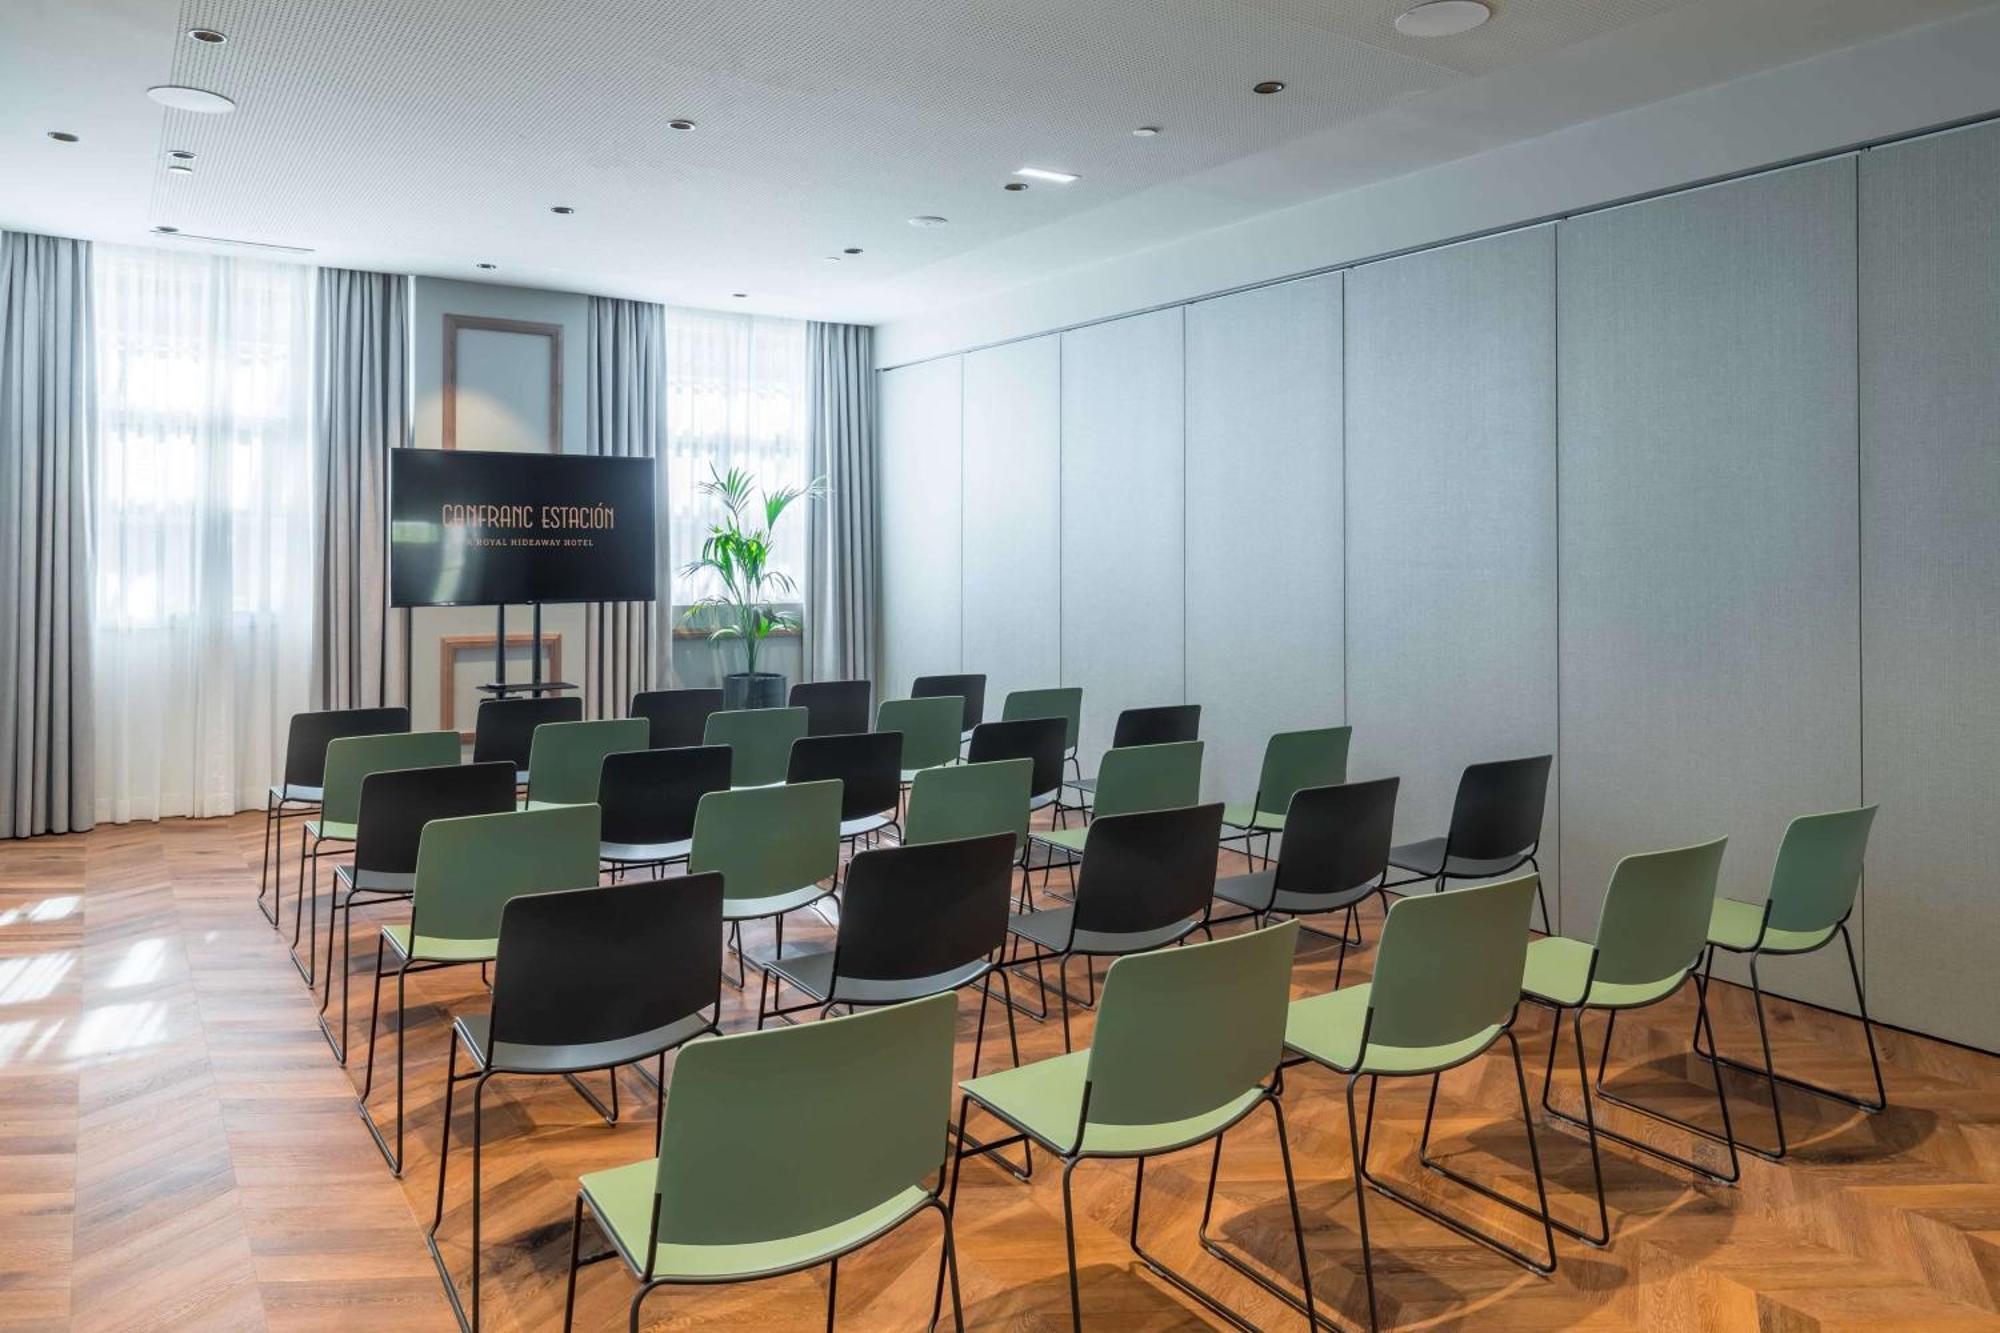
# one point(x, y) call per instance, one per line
point(762, 689)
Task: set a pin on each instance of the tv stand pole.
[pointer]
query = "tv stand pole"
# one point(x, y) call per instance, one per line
point(536, 687)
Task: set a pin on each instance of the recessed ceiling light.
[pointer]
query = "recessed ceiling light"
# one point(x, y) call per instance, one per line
point(852, 250)
point(182, 98)
point(1016, 186)
point(1146, 132)
point(167, 231)
point(928, 220)
point(680, 124)
point(181, 154)
point(180, 168)
point(833, 259)
point(1442, 18)
point(740, 295)
point(486, 266)
point(62, 136)
point(206, 36)
point(1268, 86)
point(563, 209)
point(1044, 174)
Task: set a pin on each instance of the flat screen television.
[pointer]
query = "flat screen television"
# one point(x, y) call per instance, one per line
point(480, 528)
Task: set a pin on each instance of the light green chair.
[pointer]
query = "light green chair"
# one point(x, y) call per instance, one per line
point(970, 801)
point(759, 741)
point(467, 869)
point(929, 727)
point(1446, 986)
point(1187, 1046)
point(1065, 703)
point(1813, 888)
point(773, 847)
point(565, 759)
point(1650, 935)
point(1132, 781)
point(783, 1150)
point(1293, 761)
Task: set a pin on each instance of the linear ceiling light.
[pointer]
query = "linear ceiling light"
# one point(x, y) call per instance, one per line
point(1044, 174)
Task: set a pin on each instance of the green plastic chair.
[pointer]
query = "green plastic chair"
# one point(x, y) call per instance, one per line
point(1651, 933)
point(929, 727)
point(970, 801)
point(467, 869)
point(565, 759)
point(745, 1188)
point(1293, 761)
point(773, 846)
point(759, 741)
point(1134, 780)
point(1065, 703)
point(1187, 1046)
point(1813, 888)
point(1446, 986)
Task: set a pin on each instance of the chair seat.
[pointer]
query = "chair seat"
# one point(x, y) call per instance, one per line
point(1083, 784)
point(298, 791)
point(1327, 1028)
point(854, 828)
point(1050, 928)
point(812, 972)
point(1254, 891)
point(1244, 815)
point(546, 805)
point(434, 949)
point(1045, 1098)
point(622, 1198)
point(375, 881)
point(1557, 968)
point(1427, 859)
point(513, 1057)
point(1070, 840)
point(749, 909)
point(331, 830)
point(643, 853)
point(1734, 925)
point(1043, 800)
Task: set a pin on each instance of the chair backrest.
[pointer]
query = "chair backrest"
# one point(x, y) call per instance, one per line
point(1149, 871)
point(833, 707)
point(929, 728)
point(969, 690)
point(607, 964)
point(1065, 703)
point(968, 800)
point(649, 796)
point(1184, 1032)
point(676, 718)
point(397, 803)
point(910, 912)
point(1156, 726)
point(1818, 870)
point(308, 735)
point(1654, 921)
point(736, 1163)
point(768, 840)
point(1148, 777)
point(352, 758)
point(1449, 964)
point(1337, 839)
point(1498, 811)
point(468, 868)
point(566, 761)
point(868, 764)
point(1036, 739)
point(761, 739)
point(505, 728)
point(1296, 759)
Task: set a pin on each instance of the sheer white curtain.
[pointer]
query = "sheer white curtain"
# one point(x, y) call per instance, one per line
point(737, 396)
point(204, 528)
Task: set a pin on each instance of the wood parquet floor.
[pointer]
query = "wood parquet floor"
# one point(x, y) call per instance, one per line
point(178, 1150)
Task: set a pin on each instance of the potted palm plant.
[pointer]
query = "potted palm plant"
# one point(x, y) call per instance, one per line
point(739, 555)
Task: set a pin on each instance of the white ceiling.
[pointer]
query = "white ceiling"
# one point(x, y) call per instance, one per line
point(428, 135)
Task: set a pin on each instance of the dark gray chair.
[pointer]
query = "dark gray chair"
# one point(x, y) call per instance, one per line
point(833, 707)
point(649, 798)
point(298, 795)
point(1496, 828)
point(1146, 726)
point(505, 728)
point(869, 765)
point(676, 717)
point(970, 688)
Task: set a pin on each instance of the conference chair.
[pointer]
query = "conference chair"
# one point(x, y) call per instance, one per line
point(649, 799)
point(677, 718)
point(782, 1151)
point(1651, 933)
point(869, 767)
point(1145, 882)
point(929, 728)
point(970, 800)
point(1038, 740)
point(1144, 777)
point(467, 870)
point(833, 707)
point(777, 849)
point(583, 980)
point(1446, 987)
point(1496, 828)
point(505, 728)
point(1292, 760)
point(969, 690)
point(298, 794)
point(1145, 726)
point(760, 741)
point(1334, 857)
point(1187, 1047)
point(1813, 887)
point(566, 759)
point(395, 806)
point(1065, 703)
point(914, 921)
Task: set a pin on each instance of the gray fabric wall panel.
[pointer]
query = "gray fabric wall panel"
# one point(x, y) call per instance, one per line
point(1263, 546)
point(919, 477)
point(1122, 519)
point(1930, 610)
point(1708, 563)
point(1013, 442)
point(1451, 520)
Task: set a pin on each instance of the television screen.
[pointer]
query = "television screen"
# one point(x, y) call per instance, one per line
point(471, 528)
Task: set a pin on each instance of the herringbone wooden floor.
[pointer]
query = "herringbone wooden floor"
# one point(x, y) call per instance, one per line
point(178, 1150)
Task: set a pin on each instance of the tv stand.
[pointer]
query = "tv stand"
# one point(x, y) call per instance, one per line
point(499, 687)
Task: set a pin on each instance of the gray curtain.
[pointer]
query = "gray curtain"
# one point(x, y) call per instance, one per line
point(843, 589)
point(361, 349)
point(46, 404)
point(629, 644)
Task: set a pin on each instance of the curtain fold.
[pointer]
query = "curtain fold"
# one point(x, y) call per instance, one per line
point(47, 385)
point(629, 643)
point(361, 345)
point(842, 565)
